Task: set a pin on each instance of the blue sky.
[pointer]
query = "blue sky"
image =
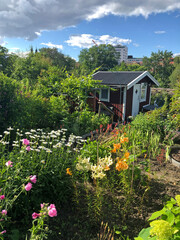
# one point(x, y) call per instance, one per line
point(71, 25)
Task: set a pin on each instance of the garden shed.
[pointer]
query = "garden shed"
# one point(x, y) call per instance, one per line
point(124, 94)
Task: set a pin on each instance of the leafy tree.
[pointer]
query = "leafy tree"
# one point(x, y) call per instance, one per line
point(49, 81)
point(159, 65)
point(3, 58)
point(103, 57)
point(6, 61)
point(29, 68)
point(8, 101)
point(58, 59)
point(175, 76)
point(129, 67)
point(176, 61)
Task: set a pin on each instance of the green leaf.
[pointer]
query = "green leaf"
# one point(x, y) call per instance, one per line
point(170, 217)
point(157, 214)
point(145, 233)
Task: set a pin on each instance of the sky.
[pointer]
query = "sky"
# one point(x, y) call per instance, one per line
point(144, 26)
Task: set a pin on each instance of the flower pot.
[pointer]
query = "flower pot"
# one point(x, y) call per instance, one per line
point(174, 155)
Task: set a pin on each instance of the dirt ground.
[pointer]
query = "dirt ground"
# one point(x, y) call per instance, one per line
point(168, 175)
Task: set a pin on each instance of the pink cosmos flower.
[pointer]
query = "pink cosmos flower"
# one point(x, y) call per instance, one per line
point(2, 197)
point(25, 142)
point(28, 186)
point(9, 164)
point(4, 212)
point(52, 211)
point(3, 232)
point(33, 178)
point(28, 148)
point(35, 215)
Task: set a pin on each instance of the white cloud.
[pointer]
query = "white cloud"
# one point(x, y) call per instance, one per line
point(2, 41)
point(160, 32)
point(136, 44)
point(27, 18)
point(51, 45)
point(159, 46)
point(176, 55)
point(88, 40)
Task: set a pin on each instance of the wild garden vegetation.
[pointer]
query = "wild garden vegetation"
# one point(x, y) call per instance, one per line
point(56, 185)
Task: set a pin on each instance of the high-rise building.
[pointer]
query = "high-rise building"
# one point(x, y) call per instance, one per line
point(123, 53)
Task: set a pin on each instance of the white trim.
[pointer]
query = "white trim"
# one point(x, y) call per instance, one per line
point(145, 94)
point(104, 99)
point(124, 104)
point(146, 73)
point(150, 96)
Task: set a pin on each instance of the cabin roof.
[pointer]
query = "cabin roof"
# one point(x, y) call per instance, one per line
point(128, 78)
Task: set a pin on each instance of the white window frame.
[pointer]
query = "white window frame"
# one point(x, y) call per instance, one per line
point(108, 93)
point(145, 92)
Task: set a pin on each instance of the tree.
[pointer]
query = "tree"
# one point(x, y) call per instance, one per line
point(175, 76)
point(129, 67)
point(58, 59)
point(160, 66)
point(103, 57)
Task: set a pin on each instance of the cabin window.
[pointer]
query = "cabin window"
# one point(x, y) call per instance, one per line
point(143, 91)
point(105, 94)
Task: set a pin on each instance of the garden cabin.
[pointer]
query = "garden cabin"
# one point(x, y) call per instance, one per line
point(125, 93)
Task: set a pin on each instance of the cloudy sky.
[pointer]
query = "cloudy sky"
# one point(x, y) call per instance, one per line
point(144, 26)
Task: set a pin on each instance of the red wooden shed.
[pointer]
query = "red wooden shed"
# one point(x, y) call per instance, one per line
point(126, 93)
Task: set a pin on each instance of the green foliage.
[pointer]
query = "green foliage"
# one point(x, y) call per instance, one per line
point(8, 101)
point(84, 121)
point(58, 59)
point(175, 76)
point(159, 65)
point(103, 57)
point(175, 106)
point(129, 67)
point(30, 68)
point(167, 225)
point(151, 121)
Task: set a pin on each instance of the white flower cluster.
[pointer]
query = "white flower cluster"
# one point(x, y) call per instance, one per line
point(102, 165)
point(43, 141)
point(83, 164)
point(98, 170)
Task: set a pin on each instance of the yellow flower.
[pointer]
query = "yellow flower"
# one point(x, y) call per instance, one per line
point(68, 171)
point(161, 229)
point(177, 197)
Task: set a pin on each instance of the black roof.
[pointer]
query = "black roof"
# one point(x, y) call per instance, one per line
point(116, 78)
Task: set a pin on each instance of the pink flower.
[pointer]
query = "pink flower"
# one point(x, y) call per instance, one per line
point(28, 148)
point(2, 197)
point(25, 142)
point(9, 164)
point(35, 215)
point(33, 179)
point(3, 232)
point(51, 206)
point(52, 211)
point(42, 205)
point(4, 212)
point(28, 186)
